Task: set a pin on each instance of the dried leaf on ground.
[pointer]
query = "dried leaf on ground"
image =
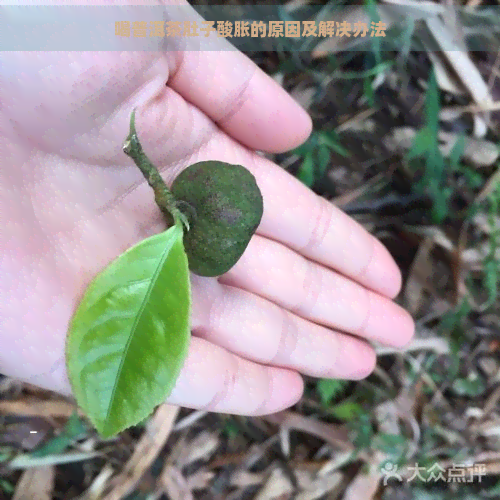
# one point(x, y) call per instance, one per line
point(36, 484)
point(465, 69)
point(30, 406)
point(243, 479)
point(336, 436)
point(480, 153)
point(276, 486)
point(152, 441)
point(200, 448)
point(446, 79)
point(200, 479)
point(174, 484)
point(420, 272)
point(365, 486)
point(317, 486)
point(25, 434)
point(99, 484)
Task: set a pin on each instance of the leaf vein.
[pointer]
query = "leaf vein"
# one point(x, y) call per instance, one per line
point(152, 283)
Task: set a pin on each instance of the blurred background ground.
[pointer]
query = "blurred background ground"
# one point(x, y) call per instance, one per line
point(405, 140)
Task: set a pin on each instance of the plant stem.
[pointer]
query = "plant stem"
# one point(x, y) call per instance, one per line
point(163, 197)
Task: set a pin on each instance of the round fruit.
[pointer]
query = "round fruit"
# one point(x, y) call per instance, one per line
point(224, 207)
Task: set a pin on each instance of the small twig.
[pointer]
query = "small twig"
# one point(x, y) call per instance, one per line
point(494, 71)
point(26, 461)
point(163, 197)
point(189, 420)
point(149, 446)
point(474, 108)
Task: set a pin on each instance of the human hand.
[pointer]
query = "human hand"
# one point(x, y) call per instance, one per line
point(310, 291)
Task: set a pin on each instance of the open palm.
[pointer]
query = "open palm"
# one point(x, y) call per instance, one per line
point(312, 287)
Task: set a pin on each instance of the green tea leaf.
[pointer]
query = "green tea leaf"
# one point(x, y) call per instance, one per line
point(422, 144)
point(224, 206)
point(491, 280)
point(302, 150)
point(368, 91)
point(347, 410)
point(74, 428)
point(332, 140)
point(306, 170)
point(390, 442)
point(457, 152)
point(471, 386)
point(7, 486)
point(330, 388)
point(323, 156)
point(130, 334)
point(363, 431)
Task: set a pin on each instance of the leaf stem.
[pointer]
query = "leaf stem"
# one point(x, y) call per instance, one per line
point(163, 196)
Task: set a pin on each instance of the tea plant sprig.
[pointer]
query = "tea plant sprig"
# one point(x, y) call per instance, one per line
point(129, 337)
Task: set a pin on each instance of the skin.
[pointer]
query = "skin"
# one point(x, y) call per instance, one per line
point(309, 294)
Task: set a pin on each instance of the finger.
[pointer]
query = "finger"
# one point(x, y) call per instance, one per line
point(261, 331)
point(317, 229)
point(293, 214)
point(237, 95)
point(216, 380)
point(318, 294)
